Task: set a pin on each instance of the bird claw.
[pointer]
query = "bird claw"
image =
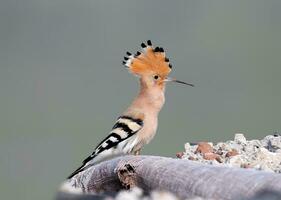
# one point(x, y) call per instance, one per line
point(127, 176)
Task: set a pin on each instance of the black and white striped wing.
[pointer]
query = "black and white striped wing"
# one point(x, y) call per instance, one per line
point(116, 143)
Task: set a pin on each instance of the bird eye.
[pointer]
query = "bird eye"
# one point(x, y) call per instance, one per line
point(156, 77)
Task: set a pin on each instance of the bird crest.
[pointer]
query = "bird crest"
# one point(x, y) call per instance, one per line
point(150, 61)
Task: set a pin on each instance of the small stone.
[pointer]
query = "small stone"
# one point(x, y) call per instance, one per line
point(204, 147)
point(211, 144)
point(252, 146)
point(245, 165)
point(179, 154)
point(187, 147)
point(210, 156)
point(275, 143)
point(231, 153)
point(219, 152)
point(191, 158)
point(240, 138)
point(234, 145)
point(236, 161)
point(218, 159)
point(221, 145)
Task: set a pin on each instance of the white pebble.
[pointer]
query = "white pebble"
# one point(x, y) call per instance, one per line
point(240, 138)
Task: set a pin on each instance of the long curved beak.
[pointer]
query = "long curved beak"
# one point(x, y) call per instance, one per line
point(168, 79)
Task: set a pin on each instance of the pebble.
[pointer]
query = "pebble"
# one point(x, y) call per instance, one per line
point(239, 138)
point(179, 154)
point(231, 153)
point(210, 156)
point(204, 147)
point(264, 154)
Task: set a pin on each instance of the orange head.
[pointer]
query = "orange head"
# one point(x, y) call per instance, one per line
point(152, 66)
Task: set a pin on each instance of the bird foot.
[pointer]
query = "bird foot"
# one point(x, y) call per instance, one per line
point(127, 176)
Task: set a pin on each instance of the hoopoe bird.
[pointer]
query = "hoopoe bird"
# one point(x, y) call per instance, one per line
point(138, 124)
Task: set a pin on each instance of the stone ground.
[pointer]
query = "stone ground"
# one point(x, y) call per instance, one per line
point(262, 154)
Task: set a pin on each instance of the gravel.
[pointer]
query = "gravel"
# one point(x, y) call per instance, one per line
point(262, 154)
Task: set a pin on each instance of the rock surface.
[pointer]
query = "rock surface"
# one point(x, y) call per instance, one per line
point(262, 154)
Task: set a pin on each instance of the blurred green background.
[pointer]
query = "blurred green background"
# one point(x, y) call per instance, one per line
point(62, 84)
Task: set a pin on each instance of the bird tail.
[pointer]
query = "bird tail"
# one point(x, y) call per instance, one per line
point(80, 169)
